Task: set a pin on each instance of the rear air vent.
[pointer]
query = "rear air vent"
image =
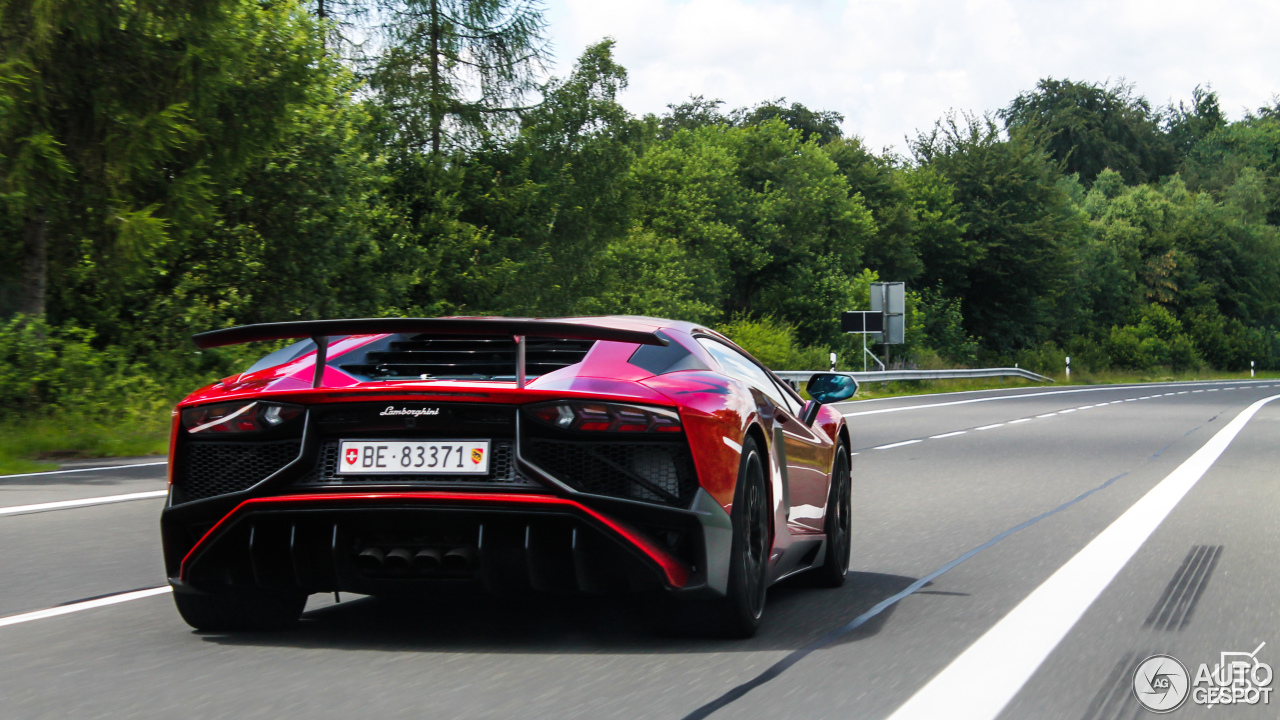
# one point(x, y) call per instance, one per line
point(460, 356)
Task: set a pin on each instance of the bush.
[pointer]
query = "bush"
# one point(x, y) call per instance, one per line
point(773, 343)
point(46, 370)
point(1157, 340)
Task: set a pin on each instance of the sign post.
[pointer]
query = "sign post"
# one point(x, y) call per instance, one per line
point(864, 323)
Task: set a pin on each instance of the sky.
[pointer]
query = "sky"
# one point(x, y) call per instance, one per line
point(893, 67)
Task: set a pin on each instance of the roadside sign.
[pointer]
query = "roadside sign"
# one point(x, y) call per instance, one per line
point(891, 299)
point(862, 321)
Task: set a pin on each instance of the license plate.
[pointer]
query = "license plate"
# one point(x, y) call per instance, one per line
point(408, 457)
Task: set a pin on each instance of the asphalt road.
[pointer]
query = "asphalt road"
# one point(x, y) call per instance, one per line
point(1032, 625)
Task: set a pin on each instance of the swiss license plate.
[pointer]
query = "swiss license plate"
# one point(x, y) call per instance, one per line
point(407, 457)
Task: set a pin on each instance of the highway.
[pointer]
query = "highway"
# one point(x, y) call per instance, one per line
point(1093, 527)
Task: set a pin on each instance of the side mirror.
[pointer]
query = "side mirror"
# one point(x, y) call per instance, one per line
point(827, 388)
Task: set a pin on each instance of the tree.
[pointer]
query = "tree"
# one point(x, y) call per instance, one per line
point(1019, 227)
point(119, 120)
point(765, 219)
point(1187, 125)
point(825, 124)
point(692, 114)
point(1089, 127)
point(456, 69)
point(556, 194)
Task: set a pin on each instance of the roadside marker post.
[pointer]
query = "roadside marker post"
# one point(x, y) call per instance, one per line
point(1068, 368)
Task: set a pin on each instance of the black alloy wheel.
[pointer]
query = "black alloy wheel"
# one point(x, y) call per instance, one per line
point(738, 613)
point(742, 608)
point(837, 526)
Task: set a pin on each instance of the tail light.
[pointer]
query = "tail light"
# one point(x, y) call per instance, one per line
point(238, 417)
point(606, 417)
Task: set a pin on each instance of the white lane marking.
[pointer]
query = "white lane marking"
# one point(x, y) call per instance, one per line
point(63, 504)
point(852, 454)
point(947, 435)
point(898, 444)
point(1064, 412)
point(1046, 415)
point(1019, 420)
point(984, 678)
point(86, 605)
point(1196, 391)
point(1009, 397)
point(736, 447)
point(1130, 399)
point(1145, 397)
point(1084, 407)
point(92, 469)
point(1212, 390)
point(990, 427)
point(1184, 392)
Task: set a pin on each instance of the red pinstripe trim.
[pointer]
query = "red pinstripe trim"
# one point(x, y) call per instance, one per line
point(676, 572)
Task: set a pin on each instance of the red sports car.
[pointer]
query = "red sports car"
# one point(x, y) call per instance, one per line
point(401, 455)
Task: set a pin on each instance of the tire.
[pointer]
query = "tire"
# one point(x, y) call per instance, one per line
point(738, 614)
point(241, 609)
point(838, 526)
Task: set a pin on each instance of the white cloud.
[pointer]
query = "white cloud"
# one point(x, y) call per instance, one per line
point(893, 67)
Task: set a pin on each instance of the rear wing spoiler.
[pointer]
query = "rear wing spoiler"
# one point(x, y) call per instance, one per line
point(319, 331)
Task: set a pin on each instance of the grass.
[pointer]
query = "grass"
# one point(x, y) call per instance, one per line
point(38, 443)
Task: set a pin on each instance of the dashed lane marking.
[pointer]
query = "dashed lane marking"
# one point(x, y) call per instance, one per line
point(947, 435)
point(898, 444)
point(990, 427)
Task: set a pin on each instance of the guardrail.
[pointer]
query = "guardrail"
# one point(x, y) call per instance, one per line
point(798, 376)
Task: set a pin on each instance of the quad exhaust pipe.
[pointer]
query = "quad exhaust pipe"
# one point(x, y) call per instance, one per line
point(398, 559)
point(370, 559)
point(428, 559)
point(458, 559)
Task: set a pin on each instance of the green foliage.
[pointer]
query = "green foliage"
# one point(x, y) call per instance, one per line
point(453, 71)
point(1090, 127)
point(1019, 229)
point(774, 344)
point(644, 274)
point(943, 326)
point(43, 367)
point(821, 126)
point(765, 217)
point(1157, 340)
